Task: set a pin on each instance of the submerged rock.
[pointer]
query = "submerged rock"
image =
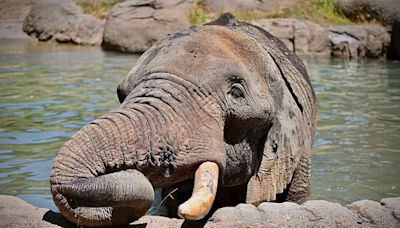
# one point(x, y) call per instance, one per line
point(313, 213)
point(135, 25)
point(64, 22)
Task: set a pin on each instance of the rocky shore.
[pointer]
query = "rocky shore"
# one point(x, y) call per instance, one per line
point(15, 212)
point(133, 26)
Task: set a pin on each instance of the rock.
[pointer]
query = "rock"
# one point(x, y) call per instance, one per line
point(386, 11)
point(135, 25)
point(371, 10)
point(12, 16)
point(151, 221)
point(374, 213)
point(240, 5)
point(331, 214)
point(393, 204)
point(64, 22)
point(394, 48)
point(315, 213)
point(302, 37)
point(367, 40)
point(15, 212)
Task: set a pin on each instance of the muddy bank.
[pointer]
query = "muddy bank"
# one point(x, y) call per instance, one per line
point(15, 212)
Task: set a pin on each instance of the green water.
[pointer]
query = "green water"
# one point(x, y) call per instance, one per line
point(49, 92)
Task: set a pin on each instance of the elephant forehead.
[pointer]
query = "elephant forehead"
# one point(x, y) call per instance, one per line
point(209, 51)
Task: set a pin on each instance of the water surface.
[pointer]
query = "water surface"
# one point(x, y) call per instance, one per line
point(49, 92)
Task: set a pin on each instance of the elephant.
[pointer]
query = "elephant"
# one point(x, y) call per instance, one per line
point(224, 106)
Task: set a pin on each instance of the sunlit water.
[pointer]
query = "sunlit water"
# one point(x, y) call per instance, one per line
point(49, 92)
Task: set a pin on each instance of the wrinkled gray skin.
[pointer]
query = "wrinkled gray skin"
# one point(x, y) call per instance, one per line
point(225, 92)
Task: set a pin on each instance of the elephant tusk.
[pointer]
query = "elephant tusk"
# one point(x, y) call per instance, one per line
point(204, 191)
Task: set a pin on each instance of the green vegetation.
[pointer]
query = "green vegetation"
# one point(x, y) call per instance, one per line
point(323, 12)
point(98, 8)
point(199, 14)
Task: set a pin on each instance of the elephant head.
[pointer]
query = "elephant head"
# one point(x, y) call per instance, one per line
point(225, 103)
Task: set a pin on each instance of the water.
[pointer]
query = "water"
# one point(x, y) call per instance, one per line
point(356, 153)
point(49, 92)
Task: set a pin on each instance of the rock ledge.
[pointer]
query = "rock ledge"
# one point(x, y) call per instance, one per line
point(313, 213)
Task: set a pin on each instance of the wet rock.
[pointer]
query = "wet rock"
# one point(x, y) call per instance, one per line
point(302, 37)
point(135, 25)
point(358, 41)
point(239, 5)
point(374, 213)
point(64, 22)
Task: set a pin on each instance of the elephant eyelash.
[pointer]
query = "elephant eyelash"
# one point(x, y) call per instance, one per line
point(237, 91)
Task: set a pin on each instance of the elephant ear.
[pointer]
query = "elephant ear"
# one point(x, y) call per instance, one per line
point(285, 162)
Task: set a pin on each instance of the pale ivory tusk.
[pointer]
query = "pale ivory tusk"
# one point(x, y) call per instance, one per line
point(204, 191)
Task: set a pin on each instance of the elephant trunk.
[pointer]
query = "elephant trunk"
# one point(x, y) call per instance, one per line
point(95, 179)
point(105, 174)
point(102, 175)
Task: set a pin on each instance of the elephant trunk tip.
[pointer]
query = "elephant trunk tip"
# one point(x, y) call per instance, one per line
point(104, 200)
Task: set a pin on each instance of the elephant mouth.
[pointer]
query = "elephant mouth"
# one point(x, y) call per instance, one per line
point(244, 145)
point(206, 177)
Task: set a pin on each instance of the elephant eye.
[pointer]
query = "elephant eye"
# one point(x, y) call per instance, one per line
point(237, 91)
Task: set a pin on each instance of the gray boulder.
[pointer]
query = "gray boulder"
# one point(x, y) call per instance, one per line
point(358, 41)
point(239, 5)
point(374, 213)
point(301, 36)
point(387, 11)
point(135, 25)
point(393, 204)
point(314, 213)
point(64, 22)
point(15, 212)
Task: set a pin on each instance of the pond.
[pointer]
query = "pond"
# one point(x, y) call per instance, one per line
point(48, 92)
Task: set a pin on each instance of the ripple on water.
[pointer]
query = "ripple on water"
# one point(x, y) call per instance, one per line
point(48, 93)
point(357, 144)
